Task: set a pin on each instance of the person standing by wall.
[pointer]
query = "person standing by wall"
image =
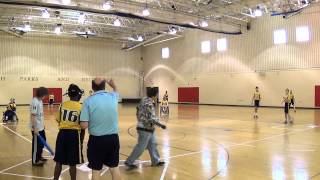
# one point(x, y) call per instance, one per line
point(286, 101)
point(100, 115)
point(256, 102)
point(51, 100)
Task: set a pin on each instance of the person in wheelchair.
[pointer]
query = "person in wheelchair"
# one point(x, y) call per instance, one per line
point(10, 113)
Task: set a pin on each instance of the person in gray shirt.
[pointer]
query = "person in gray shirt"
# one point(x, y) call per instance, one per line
point(37, 126)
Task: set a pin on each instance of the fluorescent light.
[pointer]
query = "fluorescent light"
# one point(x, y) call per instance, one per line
point(257, 13)
point(192, 23)
point(302, 34)
point(107, 5)
point(117, 23)
point(280, 36)
point(65, 1)
point(146, 12)
point(57, 30)
point(140, 38)
point(45, 13)
point(27, 27)
point(204, 23)
point(82, 18)
point(165, 53)
point(172, 31)
point(222, 44)
point(205, 47)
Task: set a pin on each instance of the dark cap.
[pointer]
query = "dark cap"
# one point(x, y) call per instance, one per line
point(74, 90)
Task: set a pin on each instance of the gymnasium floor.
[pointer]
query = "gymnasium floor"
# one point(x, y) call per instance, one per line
point(201, 142)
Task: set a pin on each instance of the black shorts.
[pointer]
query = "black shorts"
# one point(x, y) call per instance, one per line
point(256, 103)
point(69, 147)
point(291, 104)
point(51, 101)
point(103, 150)
point(286, 108)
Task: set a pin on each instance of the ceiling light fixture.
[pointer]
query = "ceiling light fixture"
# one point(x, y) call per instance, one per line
point(65, 2)
point(117, 23)
point(57, 30)
point(45, 13)
point(81, 18)
point(257, 12)
point(146, 12)
point(107, 5)
point(27, 27)
point(204, 23)
point(140, 38)
point(173, 31)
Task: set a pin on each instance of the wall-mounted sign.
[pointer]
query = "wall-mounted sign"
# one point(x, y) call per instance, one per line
point(29, 78)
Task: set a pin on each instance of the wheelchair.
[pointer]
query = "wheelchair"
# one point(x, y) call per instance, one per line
point(10, 114)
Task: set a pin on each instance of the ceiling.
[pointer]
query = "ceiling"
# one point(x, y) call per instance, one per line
point(168, 19)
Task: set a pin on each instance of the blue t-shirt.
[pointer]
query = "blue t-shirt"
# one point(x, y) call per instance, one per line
point(101, 111)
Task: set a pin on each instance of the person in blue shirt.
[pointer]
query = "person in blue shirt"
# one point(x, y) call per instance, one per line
point(100, 115)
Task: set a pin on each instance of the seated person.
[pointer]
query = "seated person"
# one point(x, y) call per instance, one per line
point(12, 104)
point(10, 113)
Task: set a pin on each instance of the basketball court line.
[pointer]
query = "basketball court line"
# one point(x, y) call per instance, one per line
point(176, 156)
point(27, 176)
point(164, 170)
point(2, 171)
point(26, 139)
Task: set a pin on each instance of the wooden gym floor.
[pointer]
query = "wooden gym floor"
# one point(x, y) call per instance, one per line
point(201, 142)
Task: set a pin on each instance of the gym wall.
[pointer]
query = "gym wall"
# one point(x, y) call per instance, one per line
point(252, 59)
point(30, 62)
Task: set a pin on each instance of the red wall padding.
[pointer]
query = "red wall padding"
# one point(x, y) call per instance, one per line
point(57, 92)
point(188, 94)
point(317, 96)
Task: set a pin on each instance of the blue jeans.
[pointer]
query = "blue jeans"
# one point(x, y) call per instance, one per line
point(146, 140)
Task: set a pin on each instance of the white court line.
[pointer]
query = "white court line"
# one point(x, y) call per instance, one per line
point(104, 171)
point(302, 150)
point(21, 175)
point(14, 166)
point(164, 170)
point(26, 139)
point(242, 144)
point(63, 171)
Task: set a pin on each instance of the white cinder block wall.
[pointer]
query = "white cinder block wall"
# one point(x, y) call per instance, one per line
point(53, 58)
point(230, 77)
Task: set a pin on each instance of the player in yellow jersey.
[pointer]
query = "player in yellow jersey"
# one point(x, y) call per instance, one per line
point(292, 101)
point(256, 102)
point(70, 137)
point(287, 101)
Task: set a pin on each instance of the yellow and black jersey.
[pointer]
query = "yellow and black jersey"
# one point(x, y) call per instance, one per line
point(256, 96)
point(291, 97)
point(69, 115)
point(286, 98)
point(12, 106)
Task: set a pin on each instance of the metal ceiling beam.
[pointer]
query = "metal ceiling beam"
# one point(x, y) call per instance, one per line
point(149, 40)
point(157, 42)
point(117, 13)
